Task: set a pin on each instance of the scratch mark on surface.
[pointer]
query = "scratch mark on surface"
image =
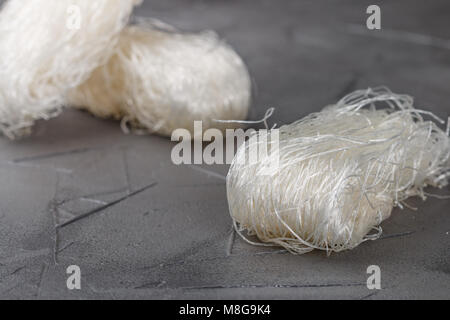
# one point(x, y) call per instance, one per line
point(66, 246)
point(326, 285)
point(55, 246)
point(33, 166)
point(208, 172)
point(369, 295)
point(152, 285)
point(103, 207)
point(53, 211)
point(126, 169)
point(11, 289)
point(93, 200)
point(349, 86)
point(263, 253)
point(26, 255)
point(63, 213)
point(396, 235)
point(199, 185)
point(399, 35)
point(41, 279)
point(55, 154)
point(93, 195)
point(93, 289)
point(106, 193)
point(230, 242)
point(186, 261)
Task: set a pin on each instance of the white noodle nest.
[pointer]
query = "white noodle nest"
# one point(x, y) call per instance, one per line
point(161, 80)
point(42, 56)
point(340, 173)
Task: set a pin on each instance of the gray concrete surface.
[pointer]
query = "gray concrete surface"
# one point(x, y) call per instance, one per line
point(173, 239)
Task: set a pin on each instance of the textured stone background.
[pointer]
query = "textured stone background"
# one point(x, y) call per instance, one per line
point(168, 232)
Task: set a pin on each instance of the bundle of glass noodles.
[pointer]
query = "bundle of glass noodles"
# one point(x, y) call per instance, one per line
point(82, 53)
point(335, 175)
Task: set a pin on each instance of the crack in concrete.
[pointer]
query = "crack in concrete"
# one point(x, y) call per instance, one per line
point(209, 173)
point(93, 201)
point(399, 35)
point(326, 285)
point(25, 255)
point(34, 166)
point(230, 242)
point(152, 285)
point(55, 154)
point(396, 235)
point(66, 246)
point(369, 295)
point(17, 270)
point(103, 207)
point(41, 278)
point(348, 87)
point(12, 273)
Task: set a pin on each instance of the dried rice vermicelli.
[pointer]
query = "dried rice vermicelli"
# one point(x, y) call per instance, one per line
point(335, 175)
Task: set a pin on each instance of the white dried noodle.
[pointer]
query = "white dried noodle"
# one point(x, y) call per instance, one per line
point(42, 55)
point(341, 171)
point(160, 80)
